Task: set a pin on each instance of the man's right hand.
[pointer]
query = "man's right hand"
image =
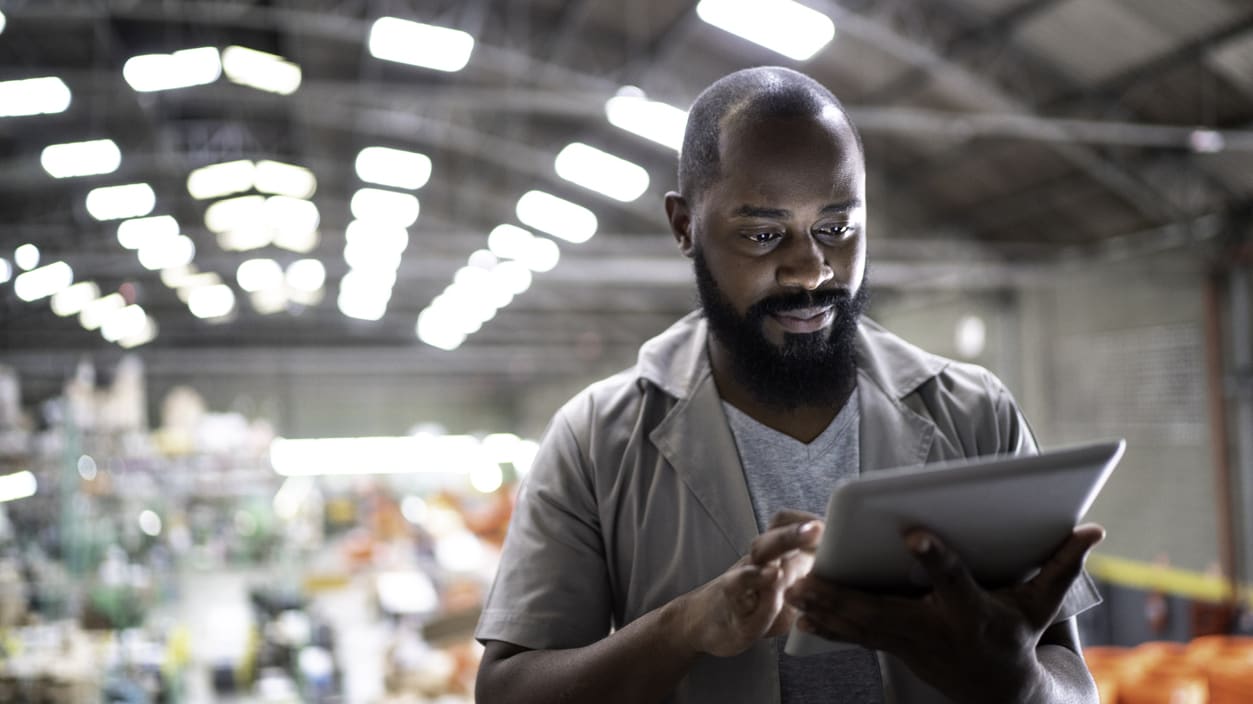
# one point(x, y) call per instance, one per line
point(744, 604)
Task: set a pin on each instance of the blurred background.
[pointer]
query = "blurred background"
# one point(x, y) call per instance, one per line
point(289, 289)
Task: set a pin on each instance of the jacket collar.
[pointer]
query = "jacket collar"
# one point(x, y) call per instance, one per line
point(696, 439)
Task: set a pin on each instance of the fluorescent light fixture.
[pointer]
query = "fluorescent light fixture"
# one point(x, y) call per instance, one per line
point(167, 252)
point(140, 232)
point(33, 96)
point(483, 259)
point(541, 255)
point(192, 283)
point(300, 241)
point(176, 276)
point(258, 274)
point(214, 301)
point(26, 257)
point(268, 301)
point(418, 44)
point(219, 180)
point(43, 282)
point(509, 241)
point(364, 294)
point(147, 333)
point(287, 214)
point(246, 238)
point(181, 69)
point(454, 454)
point(285, 179)
point(19, 485)
point(437, 329)
point(306, 275)
point(512, 277)
point(363, 257)
point(117, 202)
point(602, 172)
point(72, 300)
point(234, 213)
point(393, 167)
point(6, 270)
point(127, 322)
point(650, 119)
point(260, 70)
point(373, 235)
point(557, 216)
point(375, 205)
point(98, 156)
point(782, 26)
point(95, 312)
point(3, 22)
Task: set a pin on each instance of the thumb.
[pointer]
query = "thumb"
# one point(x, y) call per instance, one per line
point(1056, 575)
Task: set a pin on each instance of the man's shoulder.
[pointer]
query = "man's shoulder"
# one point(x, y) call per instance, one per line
point(902, 368)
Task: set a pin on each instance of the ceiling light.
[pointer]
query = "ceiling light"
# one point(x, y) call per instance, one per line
point(246, 238)
point(257, 274)
point(18, 485)
point(191, 283)
point(72, 300)
point(483, 259)
point(98, 156)
point(509, 241)
point(6, 270)
point(218, 180)
point(513, 277)
point(269, 301)
point(175, 276)
point(542, 255)
point(783, 26)
point(360, 255)
point(43, 282)
point(556, 216)
point(393, 167)
point(127, 322)
point(139, 232)
point(375, 205)
point(26, 257)
point(306, 275)
point(285, 179)
point(117, 202)
point(167, 252)
point(234, 213)
point(299, 241)
point(3, 22)
point(286, 214)
point(417, 44)
point(363, 305)
point(257, 69)
point(143, 336)
point(602, 172)
point(214, 301)
point(95, 312)
point(33, 96)
point(659, 122)
point(373, 235)
point(181, 69)
point(436, 329)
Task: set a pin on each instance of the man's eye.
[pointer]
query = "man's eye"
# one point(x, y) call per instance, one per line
point(763, 237)
point(835, 231)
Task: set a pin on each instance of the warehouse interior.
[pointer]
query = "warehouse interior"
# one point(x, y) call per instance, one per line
point(370, 224)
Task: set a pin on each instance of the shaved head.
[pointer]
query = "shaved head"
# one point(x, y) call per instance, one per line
point(751, 94)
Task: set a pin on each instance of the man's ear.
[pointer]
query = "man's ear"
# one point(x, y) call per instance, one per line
point(680, 217)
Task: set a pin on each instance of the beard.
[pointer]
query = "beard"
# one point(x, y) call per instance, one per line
point(810, 369)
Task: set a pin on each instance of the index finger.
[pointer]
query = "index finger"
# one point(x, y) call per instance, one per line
point(1049, 586)
point(777, 542)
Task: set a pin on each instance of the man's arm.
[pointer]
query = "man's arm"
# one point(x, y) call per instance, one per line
point(973, 645)
point(644, 661)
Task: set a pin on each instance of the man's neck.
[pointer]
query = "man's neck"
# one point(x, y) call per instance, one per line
point(801, 422)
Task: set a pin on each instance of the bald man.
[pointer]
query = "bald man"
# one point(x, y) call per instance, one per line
point(662, 542)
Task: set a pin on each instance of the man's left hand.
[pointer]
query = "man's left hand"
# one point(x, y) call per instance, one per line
point(973, 644)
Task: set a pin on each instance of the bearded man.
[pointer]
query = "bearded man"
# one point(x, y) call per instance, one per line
point(662, 541)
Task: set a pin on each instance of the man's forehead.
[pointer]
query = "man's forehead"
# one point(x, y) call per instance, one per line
point(742, 132)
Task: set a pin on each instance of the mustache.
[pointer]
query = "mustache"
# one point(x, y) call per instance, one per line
point(785, 302)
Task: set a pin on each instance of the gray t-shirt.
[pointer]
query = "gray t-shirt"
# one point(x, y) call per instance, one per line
point(782, 472)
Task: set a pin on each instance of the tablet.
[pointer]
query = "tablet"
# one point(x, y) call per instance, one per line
point(1004, 516)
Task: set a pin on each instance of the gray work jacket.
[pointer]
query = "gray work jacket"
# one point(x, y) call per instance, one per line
point(637, 495)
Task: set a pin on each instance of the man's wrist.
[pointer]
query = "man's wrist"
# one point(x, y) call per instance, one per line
point(679, 629)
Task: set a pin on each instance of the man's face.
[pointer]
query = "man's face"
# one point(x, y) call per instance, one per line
point(779, 245)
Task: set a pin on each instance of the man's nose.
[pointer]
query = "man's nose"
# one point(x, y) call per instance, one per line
point(804, 265)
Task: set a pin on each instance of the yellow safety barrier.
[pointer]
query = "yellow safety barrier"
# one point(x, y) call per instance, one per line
point(1170, 580)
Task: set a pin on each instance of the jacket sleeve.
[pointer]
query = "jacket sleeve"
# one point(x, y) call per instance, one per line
point(552, 587)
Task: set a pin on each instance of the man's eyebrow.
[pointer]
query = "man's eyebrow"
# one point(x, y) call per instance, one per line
point(844, 207)
point(758, 211)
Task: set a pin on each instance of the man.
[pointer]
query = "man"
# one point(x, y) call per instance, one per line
point(661, 543)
